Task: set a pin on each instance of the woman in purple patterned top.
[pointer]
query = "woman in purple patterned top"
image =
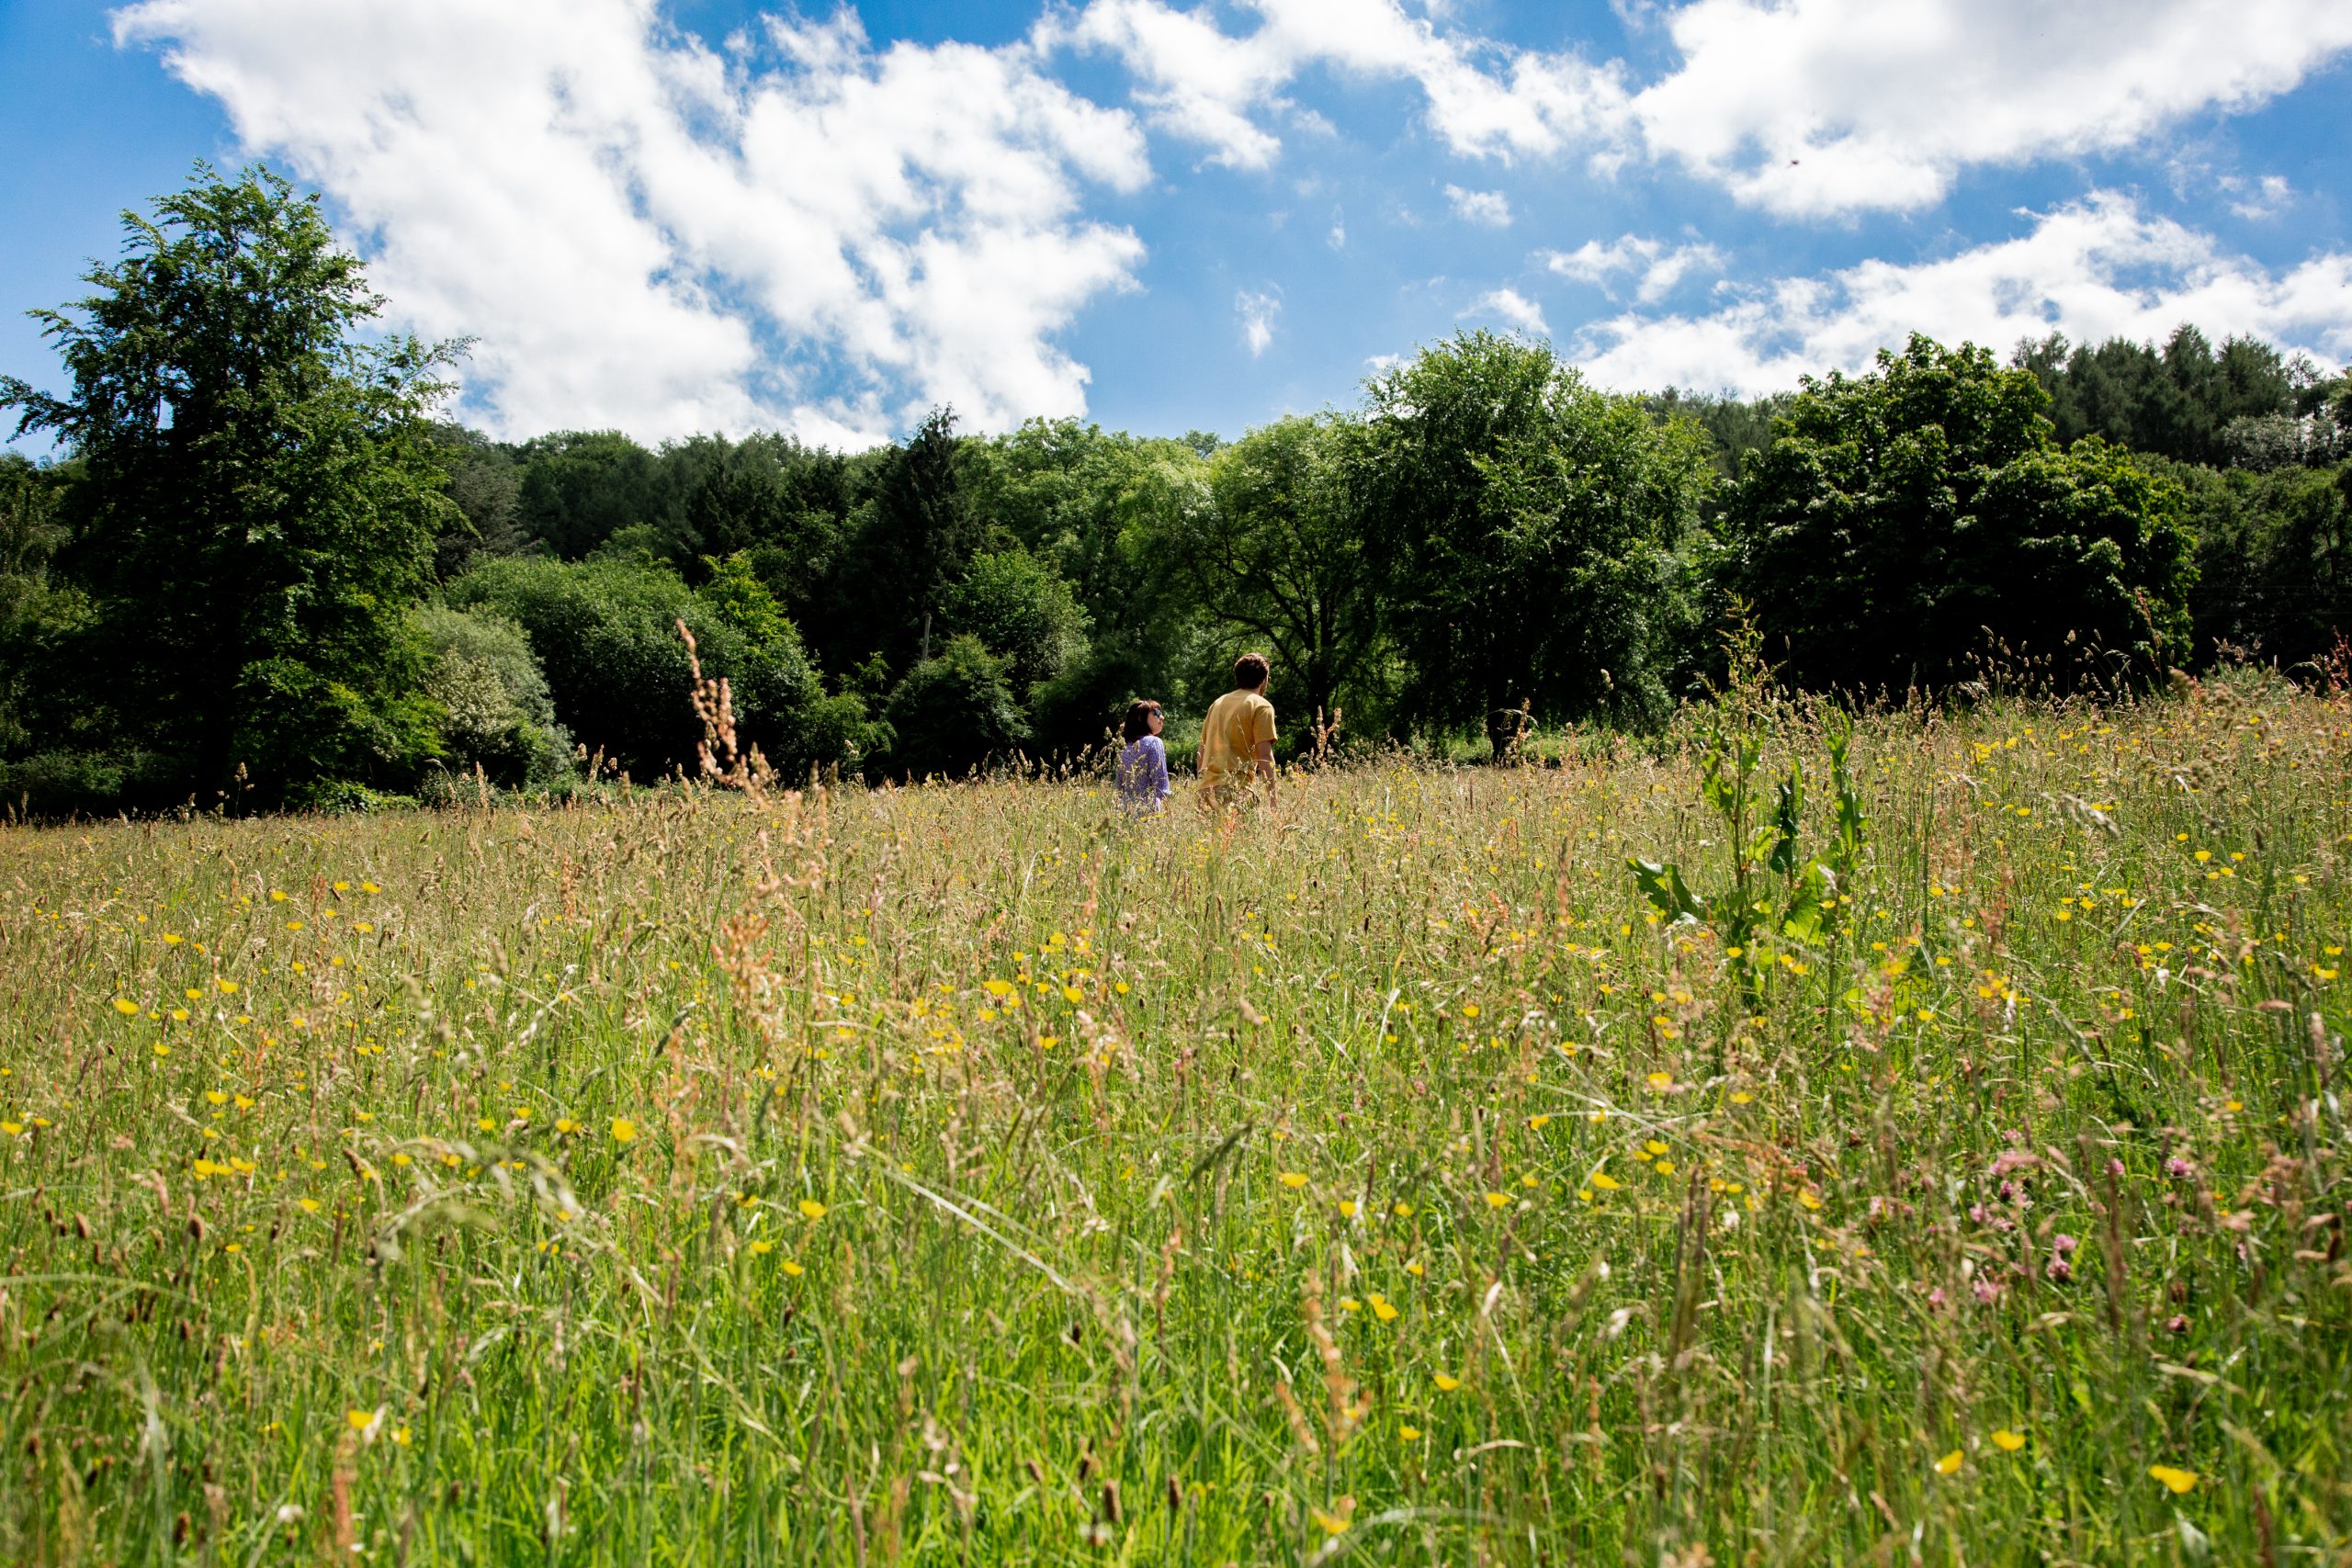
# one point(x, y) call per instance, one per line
point(1143, 766)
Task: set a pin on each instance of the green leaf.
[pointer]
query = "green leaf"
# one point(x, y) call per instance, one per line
point(1663, 885)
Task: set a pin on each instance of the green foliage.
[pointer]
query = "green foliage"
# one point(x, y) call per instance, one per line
point(1899, 515)
point(39, 612)
point(911, 543)
point(259, 501)
point(496, 714)
point(954, 713)
point(2274, 559)
point(1524, 527)
point(605, 633)
point(581, 487)
point(1020, 609)
point(2175, 401)
point(1278, 559)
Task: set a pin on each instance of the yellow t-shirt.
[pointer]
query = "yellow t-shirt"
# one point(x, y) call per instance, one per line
point(1229, 736)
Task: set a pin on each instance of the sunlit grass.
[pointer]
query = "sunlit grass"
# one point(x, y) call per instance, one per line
point(969, 1174)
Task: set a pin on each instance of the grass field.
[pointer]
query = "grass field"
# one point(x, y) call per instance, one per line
point(968, 1174)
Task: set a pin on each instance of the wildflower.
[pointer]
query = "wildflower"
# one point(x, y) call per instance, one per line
point(1403, 1211)
point(811, 1210)
point(761, 1249)
point(1661, 1080)
point(791, 1268)
point(623, 1130)
point(2008, 1442)
point(1606, 1183)
point(1294, 1179)
point(1347, 1208)
point(1383, 1309)
point(1950, 1464)
point(1409, 1433)
point(1498, 1200)
point(126, 1006)
point(1447, 1384)
point(2176, 1481)
point(1537, 1123)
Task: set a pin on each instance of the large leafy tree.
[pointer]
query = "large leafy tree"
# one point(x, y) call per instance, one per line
point(1524, 527)
point(1900, 516)
point(260, 493)
point(1278, 557)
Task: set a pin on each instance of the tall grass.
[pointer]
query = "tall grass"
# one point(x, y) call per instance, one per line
point(969, 1174)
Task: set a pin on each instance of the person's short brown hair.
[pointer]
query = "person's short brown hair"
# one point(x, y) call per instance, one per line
point(1139, 723)
point(1249, 672)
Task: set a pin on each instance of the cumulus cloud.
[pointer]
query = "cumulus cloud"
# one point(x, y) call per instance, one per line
point(1813, 107)
point(2095, 269)
point(1654, 266)
point(1257, 311)
point(1512, 309)
point(800, 233)
point(1490, 208)
point(1219, 89)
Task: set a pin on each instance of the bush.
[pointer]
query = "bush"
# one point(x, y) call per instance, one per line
point(1022, 612)
point(605, 632)
point(1899, 516)
point(496, 712)
point(953, 714)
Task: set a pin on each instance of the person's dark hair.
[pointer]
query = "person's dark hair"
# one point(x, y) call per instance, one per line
point(1139, 723)
point(1249, 672)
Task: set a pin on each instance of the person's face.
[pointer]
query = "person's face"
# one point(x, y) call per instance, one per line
point(1155, 720)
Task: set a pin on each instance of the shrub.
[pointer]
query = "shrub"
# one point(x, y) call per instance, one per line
point(496, 714)
point(953, 713)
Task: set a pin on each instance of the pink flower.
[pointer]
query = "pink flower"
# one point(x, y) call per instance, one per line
point(2176, 1325)
point(2179, 1167)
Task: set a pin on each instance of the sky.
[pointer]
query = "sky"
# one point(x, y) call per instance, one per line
point(675, 216)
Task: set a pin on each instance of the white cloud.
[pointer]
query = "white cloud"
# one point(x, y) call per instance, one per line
point(1200, 83)
point(1656, 266)
point(1812, 107)
point(1512, 308)
point(1257, 312)
point(1338, 237)
point(1490, 208)
point(2258, 199)
point(2095, 269)
point(643, 232)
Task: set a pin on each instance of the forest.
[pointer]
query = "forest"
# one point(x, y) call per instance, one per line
point(264, 569)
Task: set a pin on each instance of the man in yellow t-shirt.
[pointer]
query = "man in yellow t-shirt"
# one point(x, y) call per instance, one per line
point(1238, 737)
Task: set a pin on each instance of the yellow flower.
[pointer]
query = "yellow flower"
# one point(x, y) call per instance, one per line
point(1537, 1123)
point(1416, 1268)
point(1294, 1179)
point(1072, 994)
point(1332, 1523)
point(1654, 1146)
point(227, 986)
point(1741, 1097)
point(623, 1130)
point(2008, 1442)
point(1447, 1384)
point(126, 1006)
point(792, 1269)
point(2176, 1481)
point(1664, 1167)
point(359, 1419)
point(811, 1208)
point(1606, 1183)
point(566, 1125)
point(399, 1436)
point(1403, 1211)
point(308, 1205)
point(12, 1128)
point(1409, 1434)
point(761, 1249)
point(1661, 1080)
point(1383, 1309)
point(1809, 1200)
point(1498, 1200)
point(1347, 1208)
point(1469, 1010)
point(1950, 1464)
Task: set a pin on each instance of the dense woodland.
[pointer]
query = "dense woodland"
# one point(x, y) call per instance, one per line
point(264, 570)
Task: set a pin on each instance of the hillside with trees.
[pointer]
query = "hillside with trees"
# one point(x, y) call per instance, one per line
point(265, 569)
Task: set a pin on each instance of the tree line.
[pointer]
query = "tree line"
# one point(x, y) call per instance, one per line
point(263, 571)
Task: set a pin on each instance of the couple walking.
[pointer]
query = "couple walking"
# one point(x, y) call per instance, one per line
point(1237, 746)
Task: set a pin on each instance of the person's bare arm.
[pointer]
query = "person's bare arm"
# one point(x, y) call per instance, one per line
point(1266, 768)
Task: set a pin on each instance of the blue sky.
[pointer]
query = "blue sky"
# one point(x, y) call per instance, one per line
point(1166, 216)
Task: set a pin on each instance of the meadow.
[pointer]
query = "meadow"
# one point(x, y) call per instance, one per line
point(970, 1174)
